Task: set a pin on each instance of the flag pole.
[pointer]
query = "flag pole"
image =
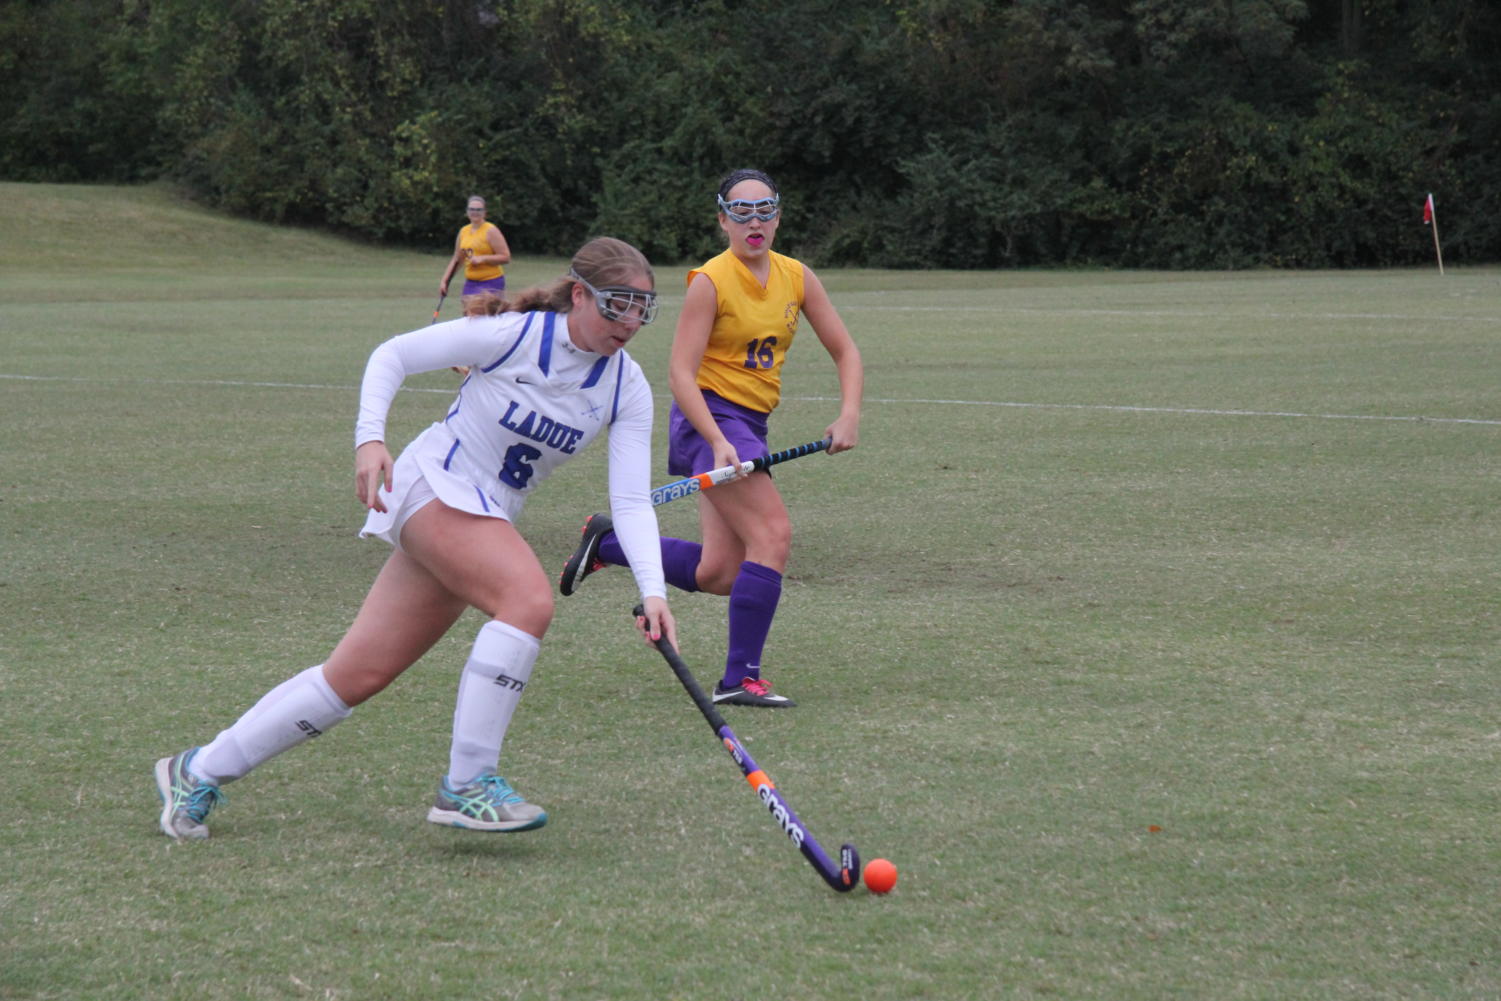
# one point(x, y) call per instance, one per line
point(1430, 216)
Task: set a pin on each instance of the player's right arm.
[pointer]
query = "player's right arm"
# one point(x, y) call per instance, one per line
point(372, 470)
point(453, 263)
point(427, 349)
point(689, 342)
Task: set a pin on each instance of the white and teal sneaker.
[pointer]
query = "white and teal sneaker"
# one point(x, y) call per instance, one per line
point(186, 799)
point(486, 804)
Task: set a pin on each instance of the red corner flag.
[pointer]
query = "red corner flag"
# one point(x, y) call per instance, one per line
point(1429, 219)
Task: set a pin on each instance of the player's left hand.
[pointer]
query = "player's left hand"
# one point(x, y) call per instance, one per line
point(657, 622)
point(843, 434)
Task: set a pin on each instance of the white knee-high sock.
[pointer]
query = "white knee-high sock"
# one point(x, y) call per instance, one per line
point(494, 677)
point(297, 710)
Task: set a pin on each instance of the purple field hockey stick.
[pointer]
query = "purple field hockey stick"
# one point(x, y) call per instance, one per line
point(844, 876)
point(703, 481)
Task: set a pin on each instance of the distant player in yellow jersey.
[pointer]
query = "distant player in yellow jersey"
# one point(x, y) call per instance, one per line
point(739, 317)
point(484, 253)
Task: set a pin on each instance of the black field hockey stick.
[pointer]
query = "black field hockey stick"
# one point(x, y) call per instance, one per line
point(703, 481)
point(441, 297)
point(843, 877)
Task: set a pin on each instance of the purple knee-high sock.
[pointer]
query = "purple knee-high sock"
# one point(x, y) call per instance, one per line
point(679, 559)
point(753, 602)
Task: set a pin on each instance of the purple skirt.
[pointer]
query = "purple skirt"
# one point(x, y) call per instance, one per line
point(496, 285)
point(689, 454)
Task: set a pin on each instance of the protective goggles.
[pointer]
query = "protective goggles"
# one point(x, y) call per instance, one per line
point(621, 304)
point(764, 209)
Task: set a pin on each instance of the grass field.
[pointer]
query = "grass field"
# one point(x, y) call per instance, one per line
point(1151, 631)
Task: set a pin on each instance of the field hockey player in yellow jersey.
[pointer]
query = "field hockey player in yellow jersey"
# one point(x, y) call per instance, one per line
point(739, 318)
point(484, 252)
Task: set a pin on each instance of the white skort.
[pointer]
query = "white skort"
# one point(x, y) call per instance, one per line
point(419, 477)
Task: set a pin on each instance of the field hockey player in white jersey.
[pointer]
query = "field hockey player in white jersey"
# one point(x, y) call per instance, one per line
point(547, 375)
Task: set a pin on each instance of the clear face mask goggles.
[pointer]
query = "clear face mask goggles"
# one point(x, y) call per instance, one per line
point(620, 303)
point(739, 210)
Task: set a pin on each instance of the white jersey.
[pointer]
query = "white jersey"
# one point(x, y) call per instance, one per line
point(531, 401)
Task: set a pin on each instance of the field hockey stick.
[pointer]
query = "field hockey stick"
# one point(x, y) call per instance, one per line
point(703, 481)
point(441, 297)
point(843, 877)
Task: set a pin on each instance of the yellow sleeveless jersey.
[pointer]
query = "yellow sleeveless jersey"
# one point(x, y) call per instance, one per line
point(477, 241)
point(753, 328)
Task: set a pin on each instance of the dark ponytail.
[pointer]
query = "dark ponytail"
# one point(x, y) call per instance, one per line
point(602, 262)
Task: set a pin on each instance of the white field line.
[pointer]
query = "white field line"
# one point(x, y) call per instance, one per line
point(1119, 408)
point(1170, 410)
point(1181, 313)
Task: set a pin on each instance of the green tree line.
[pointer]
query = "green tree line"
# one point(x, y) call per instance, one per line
point(905, 133)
